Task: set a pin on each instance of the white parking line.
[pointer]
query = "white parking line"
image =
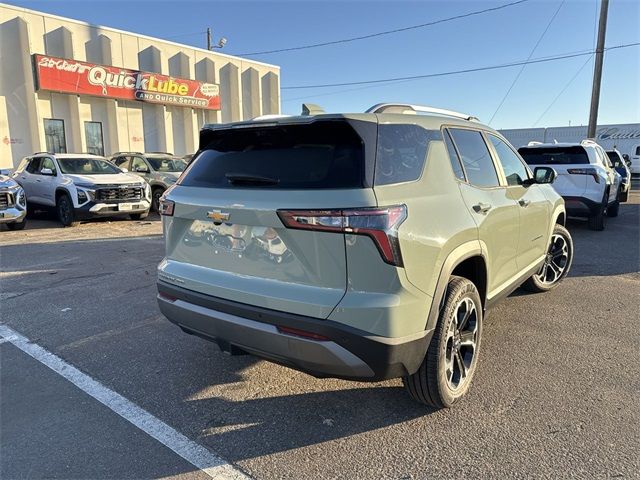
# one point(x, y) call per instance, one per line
point(191, 451)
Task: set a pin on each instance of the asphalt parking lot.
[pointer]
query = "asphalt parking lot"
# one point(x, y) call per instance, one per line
point(557, 393)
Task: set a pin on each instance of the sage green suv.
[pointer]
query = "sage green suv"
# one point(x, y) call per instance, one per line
point(358, 246)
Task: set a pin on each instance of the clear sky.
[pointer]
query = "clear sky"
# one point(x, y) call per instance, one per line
point(498, 37)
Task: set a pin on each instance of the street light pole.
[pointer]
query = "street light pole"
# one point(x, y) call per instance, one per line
point(597, 71)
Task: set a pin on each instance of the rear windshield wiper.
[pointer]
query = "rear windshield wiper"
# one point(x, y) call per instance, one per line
point(245, 179)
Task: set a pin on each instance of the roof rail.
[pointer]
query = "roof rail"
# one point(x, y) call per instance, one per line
point(414, 109)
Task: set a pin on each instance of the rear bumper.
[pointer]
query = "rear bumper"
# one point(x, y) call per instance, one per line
point(346, 353)
point(580, 206)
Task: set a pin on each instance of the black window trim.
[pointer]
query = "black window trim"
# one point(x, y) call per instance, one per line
point(494, 153)
point(445, 131)
point(502, 183)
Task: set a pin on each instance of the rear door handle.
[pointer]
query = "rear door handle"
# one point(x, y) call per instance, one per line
point(482, 207)
point(524, 203)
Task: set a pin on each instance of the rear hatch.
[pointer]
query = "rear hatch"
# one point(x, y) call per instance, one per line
point(226, 237)
point(571, 163)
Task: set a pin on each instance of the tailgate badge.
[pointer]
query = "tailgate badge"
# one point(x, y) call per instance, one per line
point(217, 216)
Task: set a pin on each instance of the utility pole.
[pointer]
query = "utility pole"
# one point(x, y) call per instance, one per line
point(597, 71)
point(208, 38)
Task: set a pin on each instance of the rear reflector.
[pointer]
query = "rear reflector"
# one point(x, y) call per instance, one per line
point(166, 207)
point(167, 297)
point(380, 224)
point(301, 333)
point(585, 171)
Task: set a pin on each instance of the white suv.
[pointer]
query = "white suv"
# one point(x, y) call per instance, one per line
point(81, 186)
point(586, 180)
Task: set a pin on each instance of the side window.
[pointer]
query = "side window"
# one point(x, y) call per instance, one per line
point(476, 159)
point(453, 157)
point(402, 151)
point(47, 163)
point(138, 163)
point(513, 167)
point(122, 162)
point(34, 165)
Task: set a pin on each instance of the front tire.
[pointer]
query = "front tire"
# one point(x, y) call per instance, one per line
point(139, 216)
point(64, 208)
point(155, 199)
point(596, 220)
point(17, 225)
point(448, 367)
point(557, 262)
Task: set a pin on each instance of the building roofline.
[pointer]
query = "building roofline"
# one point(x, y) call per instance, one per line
point(139, 35)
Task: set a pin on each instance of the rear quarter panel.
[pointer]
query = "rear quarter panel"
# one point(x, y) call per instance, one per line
point(438, 221)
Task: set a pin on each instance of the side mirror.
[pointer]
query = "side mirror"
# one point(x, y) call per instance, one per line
point(47, 171)
point(544, 175)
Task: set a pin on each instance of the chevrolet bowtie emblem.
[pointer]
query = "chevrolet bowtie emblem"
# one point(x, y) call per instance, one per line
point(218, 216)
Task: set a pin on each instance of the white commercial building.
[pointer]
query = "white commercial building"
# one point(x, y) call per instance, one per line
point(68, 86)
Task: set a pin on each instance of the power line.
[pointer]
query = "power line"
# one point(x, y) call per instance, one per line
point(455, 72)
point(387, 32)
point(563, 90)
point(515, 80)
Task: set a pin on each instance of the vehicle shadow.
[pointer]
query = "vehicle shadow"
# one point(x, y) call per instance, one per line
point(613, 251)
point(236, 429)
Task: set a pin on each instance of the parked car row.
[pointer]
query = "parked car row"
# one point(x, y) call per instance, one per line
point(82, 186)
point(587, 179)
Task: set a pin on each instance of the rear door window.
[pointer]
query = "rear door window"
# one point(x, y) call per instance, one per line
point(574, 155)
point(475, 156)
point(402, 151)
point(319, 155)
point(514, 169)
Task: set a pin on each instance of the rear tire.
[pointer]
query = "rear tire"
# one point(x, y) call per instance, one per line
point(451, 359)
point(596, 220)
point(536, 283)
point(614, 208)
point(64, 208)
point(17, 226)
point(624, 197)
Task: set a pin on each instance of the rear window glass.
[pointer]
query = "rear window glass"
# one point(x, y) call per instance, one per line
point(323, 155)
point(402, 150)
point(554, 156)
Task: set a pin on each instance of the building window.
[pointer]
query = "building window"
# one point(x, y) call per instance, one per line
point(93, 134)
point(54, 135)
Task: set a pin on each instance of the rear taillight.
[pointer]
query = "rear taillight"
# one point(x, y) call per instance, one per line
point(380, 224)
point(166, 207)
point(585, 171)
point(302, 333)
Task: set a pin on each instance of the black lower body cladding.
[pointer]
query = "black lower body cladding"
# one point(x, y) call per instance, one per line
point(342, 352)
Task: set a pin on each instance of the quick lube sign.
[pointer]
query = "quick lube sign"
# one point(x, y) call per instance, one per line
point(82, 78)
